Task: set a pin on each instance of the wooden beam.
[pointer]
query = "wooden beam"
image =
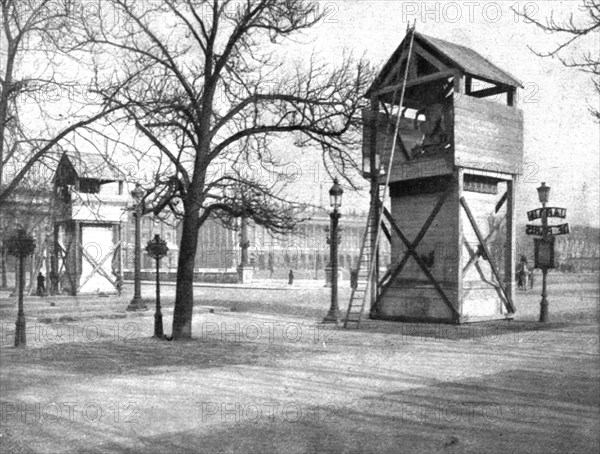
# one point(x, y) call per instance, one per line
point(510, 96)
point(420, 80)
point(489, 81)
point(508, 301)
point(460, 177)
point(509, 247)
point(489, 91)
point(97, 268)
point(385, 276)
point(396, 68)
point(486, 239)
point(386, 232)
point(429, 57)
point(468, 84)
point(459, 82)
point(501, 202)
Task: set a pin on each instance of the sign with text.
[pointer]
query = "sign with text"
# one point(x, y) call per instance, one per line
point(544, 253)
point(550, 213)
point(562, 229)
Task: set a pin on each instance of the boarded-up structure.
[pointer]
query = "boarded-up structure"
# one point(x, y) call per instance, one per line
point(450, 215)
point(90, 207)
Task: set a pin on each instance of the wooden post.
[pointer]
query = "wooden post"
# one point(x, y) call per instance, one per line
point(374, 201)
point(459, 269)
point(77, 253)
point(509, 256)
point(459, 82)
point(468, 85)
point(53, 276)
point(510, 97)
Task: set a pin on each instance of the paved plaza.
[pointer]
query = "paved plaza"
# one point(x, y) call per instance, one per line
point(261, 375)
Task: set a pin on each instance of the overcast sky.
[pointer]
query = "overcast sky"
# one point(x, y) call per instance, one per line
point(562, 140)
point(561, 137)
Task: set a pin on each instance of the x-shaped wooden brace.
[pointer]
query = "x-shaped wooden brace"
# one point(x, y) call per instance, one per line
point(97, 267)
point(412, 251)
point(482, 241)
point(474, 255)
point(64, 264)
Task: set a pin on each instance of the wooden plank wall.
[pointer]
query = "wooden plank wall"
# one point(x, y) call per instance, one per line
point(412, 296)
point(402, 169)
point(488, 136)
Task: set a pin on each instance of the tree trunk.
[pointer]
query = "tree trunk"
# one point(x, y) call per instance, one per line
point(184, 294)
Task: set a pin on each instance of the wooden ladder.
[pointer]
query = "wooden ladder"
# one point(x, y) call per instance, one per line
point(367, 258)
point(364, 279)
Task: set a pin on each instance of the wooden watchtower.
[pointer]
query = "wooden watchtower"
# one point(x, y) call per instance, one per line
point(90, 204)
point(457, 137)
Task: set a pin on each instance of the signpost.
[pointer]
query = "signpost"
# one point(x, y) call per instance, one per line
point(544, 246)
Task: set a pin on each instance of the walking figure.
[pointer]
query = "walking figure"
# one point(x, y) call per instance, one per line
point(531, 277)
point(354, 278)
point(291, 277)
point(41, 285)
point(522, 273)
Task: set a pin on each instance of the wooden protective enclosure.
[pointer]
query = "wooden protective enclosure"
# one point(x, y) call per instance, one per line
point(89, 204)
point(450, 217)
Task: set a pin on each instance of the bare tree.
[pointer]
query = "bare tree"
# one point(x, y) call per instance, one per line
point(574, 29)
point(208, 84)
point(29, 207)
point(36, 116)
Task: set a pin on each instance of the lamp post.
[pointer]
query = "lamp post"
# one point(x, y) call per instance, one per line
point(157, 249)
point(21, 245)
point(335, 197)
point(245, 270)
point(136, 303)
point(543, 195)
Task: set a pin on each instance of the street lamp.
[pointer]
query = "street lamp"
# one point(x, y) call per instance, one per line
point(335, 197)
point(136, 303)
point(544, 195)
point(157, 249)
point(21, 245)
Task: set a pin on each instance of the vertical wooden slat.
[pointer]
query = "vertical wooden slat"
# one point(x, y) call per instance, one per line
point(459, 82)
point(459, 229)
point(509, 256)
point(375, 204)
point(510, 96)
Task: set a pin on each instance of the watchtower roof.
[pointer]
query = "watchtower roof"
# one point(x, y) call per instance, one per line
point(454, 56)
point(88, 166)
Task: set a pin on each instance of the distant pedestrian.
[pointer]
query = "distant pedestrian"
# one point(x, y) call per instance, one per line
point(291, 277)
point(354, 278)
point(41, 285)
point(531, 277)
